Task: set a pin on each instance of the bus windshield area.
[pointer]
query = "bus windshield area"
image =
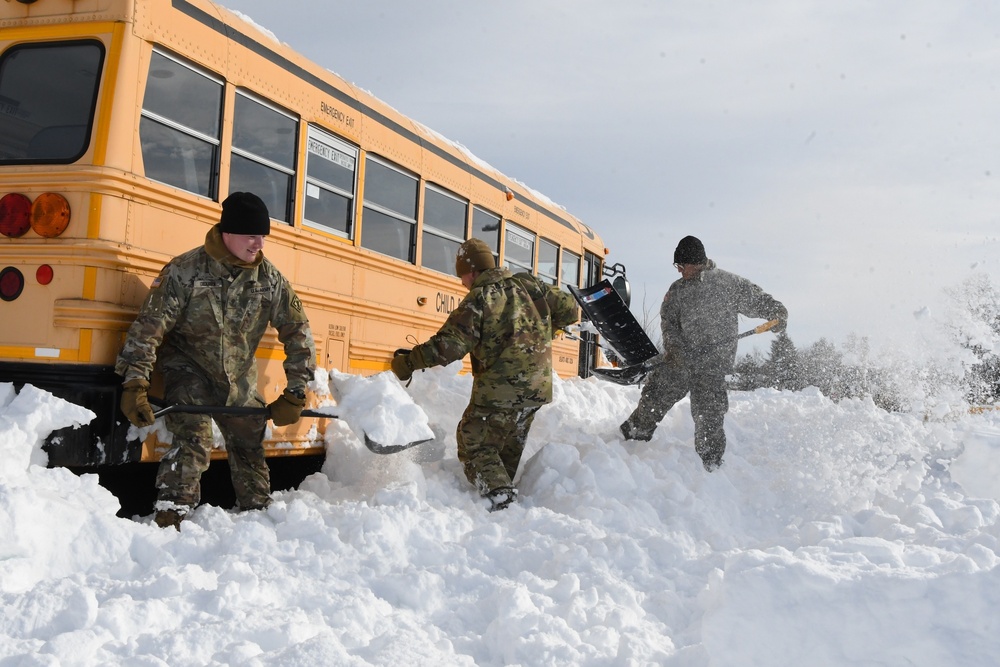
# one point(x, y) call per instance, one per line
point(48, 93)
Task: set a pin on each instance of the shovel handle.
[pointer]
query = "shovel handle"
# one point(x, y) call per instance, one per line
point(227, 410)
point(767, 326)
point(373, 445)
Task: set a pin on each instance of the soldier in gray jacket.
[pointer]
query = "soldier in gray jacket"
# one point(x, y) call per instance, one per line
point(202, 321)
point(699, 321)
point(507, 323)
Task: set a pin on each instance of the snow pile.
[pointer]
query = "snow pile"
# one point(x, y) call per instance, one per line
point(834, 534)
point(377, 406)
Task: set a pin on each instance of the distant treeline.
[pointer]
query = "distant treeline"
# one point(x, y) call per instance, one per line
point(851, 371)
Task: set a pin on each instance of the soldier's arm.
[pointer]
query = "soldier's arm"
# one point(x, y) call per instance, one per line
point(456, 337)
point(755, 302)
point(292, 324)
point(670, 328)
point(157, 316)
point(563, 308)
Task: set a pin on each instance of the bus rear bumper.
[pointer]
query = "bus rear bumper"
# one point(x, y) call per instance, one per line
point(97, 388)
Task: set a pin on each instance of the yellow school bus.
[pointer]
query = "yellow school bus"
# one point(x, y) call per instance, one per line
point(125, 123)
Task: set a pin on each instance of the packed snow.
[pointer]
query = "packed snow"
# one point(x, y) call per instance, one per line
point(835, 534)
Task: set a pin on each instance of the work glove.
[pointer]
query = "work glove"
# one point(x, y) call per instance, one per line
point(135, 405)
point(287, 408)
point(782, 324)
point(402, 366)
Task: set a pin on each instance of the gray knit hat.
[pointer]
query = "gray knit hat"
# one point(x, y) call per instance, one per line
point(690, 251)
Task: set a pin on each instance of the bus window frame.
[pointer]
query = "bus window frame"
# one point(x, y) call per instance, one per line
point(550, 278)
point(426, 228)
point(368, 205)
point(215, 142)
point(527, 235)
point(562, 268)
point(592, 269)
point(292, 173)
point(493, 243)
point(332, 141)
point(95, 94)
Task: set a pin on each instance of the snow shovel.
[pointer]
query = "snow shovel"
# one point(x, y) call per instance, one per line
point(375, 447)
point(635, 373)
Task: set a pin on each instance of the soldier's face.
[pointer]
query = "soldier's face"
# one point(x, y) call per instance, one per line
point(689, 271)
point(244, 246)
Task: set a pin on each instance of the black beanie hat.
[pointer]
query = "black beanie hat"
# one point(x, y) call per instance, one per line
point(690, 251)
point(245, 213)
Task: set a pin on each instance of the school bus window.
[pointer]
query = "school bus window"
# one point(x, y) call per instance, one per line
point(331, 166)
point(548, 262)
point(519, 249)
point(264, 154)
point(486, 227)
point(48, 93)
point(592, 269)
point(569, 273)
point(444, 229)
point(179, 129)
point(390, 210)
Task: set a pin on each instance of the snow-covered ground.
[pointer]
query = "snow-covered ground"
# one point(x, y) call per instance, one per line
point(835, 534)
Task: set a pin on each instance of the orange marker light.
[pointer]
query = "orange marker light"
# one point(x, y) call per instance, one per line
point(49, 215)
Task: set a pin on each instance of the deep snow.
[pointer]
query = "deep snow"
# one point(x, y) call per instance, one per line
point(835, 534)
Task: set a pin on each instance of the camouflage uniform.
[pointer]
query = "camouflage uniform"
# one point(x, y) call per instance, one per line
point(202, 321)
point(699, 322)
point(507, 323)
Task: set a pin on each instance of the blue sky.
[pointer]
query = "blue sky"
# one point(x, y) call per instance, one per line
point(844, 156)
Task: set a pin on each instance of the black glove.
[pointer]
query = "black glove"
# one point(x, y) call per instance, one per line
point(402, 366)
point(134, 404)
point(287, 408)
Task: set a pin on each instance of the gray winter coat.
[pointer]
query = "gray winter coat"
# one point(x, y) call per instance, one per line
point(699, 318)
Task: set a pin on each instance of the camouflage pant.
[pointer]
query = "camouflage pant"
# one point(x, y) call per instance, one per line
point(668, 383)
point(490, 444)
point(178, 478)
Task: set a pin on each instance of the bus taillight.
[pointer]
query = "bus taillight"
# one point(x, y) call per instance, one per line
point(15, 214)
point(49, 215)
point(11, 283)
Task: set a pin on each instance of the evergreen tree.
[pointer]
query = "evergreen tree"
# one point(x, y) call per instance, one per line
point(748, 372)
point(822, 366)
point(976, 328)
point(781, 371)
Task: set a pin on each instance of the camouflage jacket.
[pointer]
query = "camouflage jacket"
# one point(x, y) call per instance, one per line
point(507, 323)
point(206, 313)
point(699, 318)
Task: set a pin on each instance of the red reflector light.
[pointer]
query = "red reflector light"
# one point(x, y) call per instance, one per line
point(15, 214)
point(11, 283)
point(44, 274)
point(49, 215)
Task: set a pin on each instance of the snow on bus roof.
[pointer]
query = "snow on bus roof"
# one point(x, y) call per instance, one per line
point(472, 157)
